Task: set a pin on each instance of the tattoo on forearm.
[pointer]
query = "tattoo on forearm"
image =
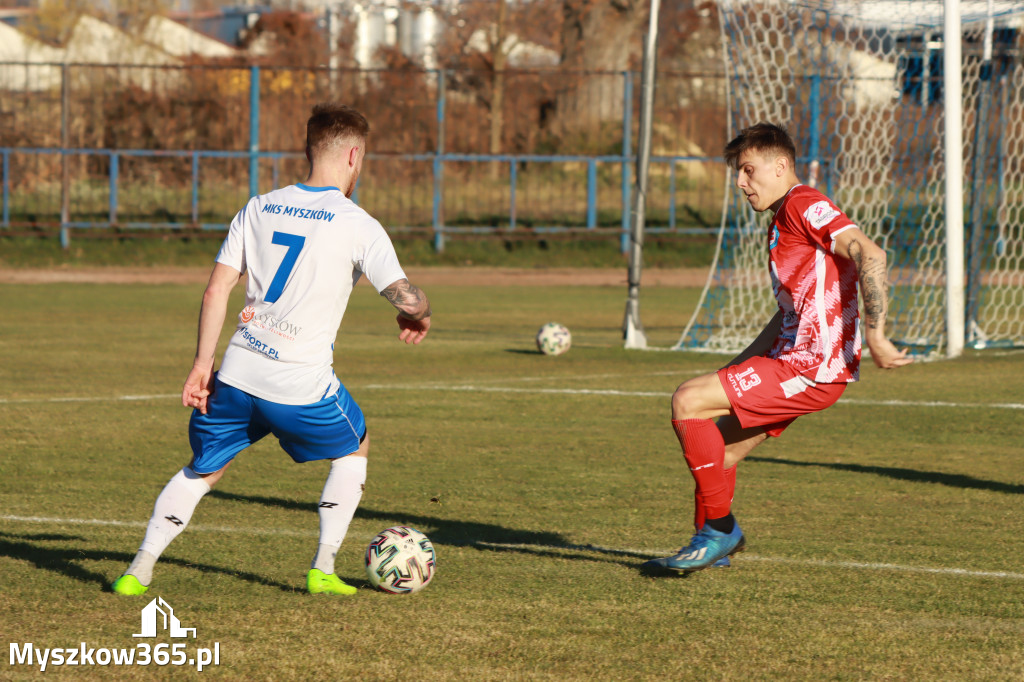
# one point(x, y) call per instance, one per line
point(408, 298)
point(871, 272)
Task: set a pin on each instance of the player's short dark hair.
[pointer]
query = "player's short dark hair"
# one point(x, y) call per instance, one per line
point(765, 138)
point(332, 123)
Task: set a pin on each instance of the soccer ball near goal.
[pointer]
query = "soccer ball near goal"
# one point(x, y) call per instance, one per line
point(553, 339)
point(400, 560)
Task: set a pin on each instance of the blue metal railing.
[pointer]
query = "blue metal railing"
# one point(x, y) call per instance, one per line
point(437, 162)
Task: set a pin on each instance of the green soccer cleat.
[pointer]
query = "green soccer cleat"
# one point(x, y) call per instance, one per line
point(129, 585)
point(318, 582)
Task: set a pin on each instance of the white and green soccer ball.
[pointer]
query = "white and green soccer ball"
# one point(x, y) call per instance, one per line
point(553, 339)
point(400, 560)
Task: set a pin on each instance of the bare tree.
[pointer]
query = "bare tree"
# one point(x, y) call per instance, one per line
point(598, 35)
point(481, 44)
point(500, 59)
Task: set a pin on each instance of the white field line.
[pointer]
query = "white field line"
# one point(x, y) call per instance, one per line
point(477, 388)
point(435, 386)
point(143, 524)
point(89, 399)
point(664, 394)
point(746, 556)
point(597, 549)
point(575, 377)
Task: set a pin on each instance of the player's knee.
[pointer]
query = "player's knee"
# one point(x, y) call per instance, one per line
point(686, 402)
point(211, 479)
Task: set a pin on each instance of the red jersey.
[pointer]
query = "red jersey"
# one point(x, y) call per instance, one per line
point(816, 289)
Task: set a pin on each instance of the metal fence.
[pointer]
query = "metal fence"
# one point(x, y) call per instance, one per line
point(136, 147)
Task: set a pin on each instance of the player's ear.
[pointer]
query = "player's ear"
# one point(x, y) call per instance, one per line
point(781, 165)
point(309, 154)
point(353, 157)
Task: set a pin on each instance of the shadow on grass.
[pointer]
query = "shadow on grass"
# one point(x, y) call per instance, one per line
point(457, 533)
point(66, 560)
point(915, 475)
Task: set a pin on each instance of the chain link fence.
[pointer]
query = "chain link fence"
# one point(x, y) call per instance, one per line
point(183, 147)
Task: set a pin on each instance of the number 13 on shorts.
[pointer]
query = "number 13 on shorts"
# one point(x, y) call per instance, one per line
point(748, 379)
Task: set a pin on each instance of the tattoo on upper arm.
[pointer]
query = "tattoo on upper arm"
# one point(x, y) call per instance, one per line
point(408, 298)
point(856, 253)
point(871, 272)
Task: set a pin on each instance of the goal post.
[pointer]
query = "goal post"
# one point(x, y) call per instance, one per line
point(910, 132)
point(633, 335)
point(952, 62)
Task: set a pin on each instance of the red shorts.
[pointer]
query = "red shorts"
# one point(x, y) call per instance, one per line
point(770, 393)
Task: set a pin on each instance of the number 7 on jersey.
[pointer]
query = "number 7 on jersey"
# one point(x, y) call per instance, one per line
point(294, 243)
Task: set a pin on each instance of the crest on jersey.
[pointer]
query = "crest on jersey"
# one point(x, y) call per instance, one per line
point(248, 312)
point(773, 237)
point(820, 214)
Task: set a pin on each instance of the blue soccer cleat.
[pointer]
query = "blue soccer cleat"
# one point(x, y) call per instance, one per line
point(707, 548)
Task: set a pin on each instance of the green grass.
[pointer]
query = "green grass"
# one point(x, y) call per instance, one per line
point(141, 248)
point(540, 504)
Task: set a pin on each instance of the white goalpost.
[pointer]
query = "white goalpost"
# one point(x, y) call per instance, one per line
point(632, 330)
point(952, 129)
point(909, 114)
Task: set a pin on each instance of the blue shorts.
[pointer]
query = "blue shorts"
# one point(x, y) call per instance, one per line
point(328, 429)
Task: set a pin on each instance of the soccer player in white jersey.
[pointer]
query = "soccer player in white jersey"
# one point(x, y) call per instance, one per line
point(805, 356)
point(302, 249)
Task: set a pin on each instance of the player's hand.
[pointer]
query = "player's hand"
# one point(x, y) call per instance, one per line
point(886, 355)
point(413, 331)
point(196, 391)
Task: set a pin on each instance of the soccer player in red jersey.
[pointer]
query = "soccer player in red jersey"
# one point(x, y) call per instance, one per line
point(805, 356)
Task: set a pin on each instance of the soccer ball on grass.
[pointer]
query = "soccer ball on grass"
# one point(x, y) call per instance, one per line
point(553, 339)
point(400, 560)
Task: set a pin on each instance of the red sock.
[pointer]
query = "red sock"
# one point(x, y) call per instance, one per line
point(698, 510)
point(704, 451)
point(699, 514)
point(730, 481)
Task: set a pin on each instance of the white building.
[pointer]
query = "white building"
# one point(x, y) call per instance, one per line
point(32, 60)
point(413, 28)
point(28, 64)
point(179, 40)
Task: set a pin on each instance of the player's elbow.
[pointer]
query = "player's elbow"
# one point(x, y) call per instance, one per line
point(215, 295)
point(408, 299)
point(418, 310)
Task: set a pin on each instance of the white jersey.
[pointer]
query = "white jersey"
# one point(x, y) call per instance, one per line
point(303, 249)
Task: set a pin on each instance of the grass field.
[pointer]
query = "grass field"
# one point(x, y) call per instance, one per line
point(885, 534)
point(153, 248)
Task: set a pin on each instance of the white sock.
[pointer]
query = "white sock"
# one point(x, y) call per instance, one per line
point(338, 503)
point(171, 513)
point(142, 567)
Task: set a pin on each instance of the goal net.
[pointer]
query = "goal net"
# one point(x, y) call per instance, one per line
point(859, 85)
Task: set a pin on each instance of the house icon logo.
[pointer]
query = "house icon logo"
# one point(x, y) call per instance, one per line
point(170, 623)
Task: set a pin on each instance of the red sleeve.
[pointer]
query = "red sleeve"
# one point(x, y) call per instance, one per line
point(815, 217)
